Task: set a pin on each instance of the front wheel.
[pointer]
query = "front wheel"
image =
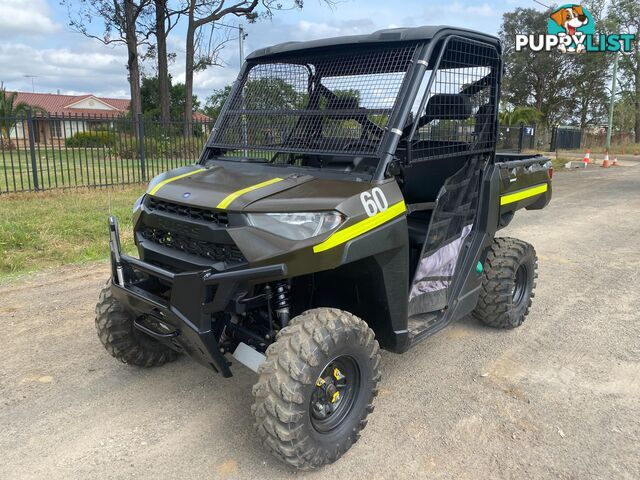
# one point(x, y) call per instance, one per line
point(119, 337)
point(508, 287)
point(317, 387)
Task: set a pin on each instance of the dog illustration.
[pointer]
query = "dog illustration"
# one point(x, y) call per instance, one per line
point(570, 18)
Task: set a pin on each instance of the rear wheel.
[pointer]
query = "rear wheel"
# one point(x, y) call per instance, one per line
point(317, 387)
point(119, 337)
point(509, 284)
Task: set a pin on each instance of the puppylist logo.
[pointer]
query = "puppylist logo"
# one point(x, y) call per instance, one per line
point(571, 29)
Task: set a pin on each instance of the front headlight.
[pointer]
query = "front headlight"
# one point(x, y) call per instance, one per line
point(138, 204)
point(296, 226)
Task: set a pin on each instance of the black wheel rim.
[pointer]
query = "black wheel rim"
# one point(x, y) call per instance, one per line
point(334, 393)
point(520, 286)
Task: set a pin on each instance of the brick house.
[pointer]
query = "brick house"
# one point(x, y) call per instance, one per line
point(61, 116)
point(65, 115)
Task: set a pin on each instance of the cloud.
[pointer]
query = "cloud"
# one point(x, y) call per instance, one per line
point(88, 69)
point(33, 43)
point(25, 18)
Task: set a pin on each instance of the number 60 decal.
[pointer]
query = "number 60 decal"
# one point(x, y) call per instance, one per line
point(374, 201)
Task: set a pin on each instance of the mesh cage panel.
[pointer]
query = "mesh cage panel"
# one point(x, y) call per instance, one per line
point(459, 116)
point(339, 103)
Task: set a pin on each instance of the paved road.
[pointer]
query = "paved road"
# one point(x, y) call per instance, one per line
point(556, 398)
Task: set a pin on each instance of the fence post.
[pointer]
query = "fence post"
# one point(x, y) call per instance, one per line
point(534, 129)
point(521, 138)
point(32, 150)
point(143, 170)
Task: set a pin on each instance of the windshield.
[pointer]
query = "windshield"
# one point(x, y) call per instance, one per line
point(331, 103)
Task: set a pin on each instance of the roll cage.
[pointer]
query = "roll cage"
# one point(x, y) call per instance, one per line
point(444, 105)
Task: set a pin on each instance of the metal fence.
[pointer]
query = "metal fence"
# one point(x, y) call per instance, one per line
point(516, 138)
point(565, 138)
point(44, 152)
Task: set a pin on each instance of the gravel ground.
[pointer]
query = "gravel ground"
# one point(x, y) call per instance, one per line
point(557, 398)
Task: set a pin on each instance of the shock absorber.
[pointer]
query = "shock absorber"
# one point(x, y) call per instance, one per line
point(281, 301)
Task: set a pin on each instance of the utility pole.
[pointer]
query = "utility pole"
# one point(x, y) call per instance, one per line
point(241, 37)
point(244, 116)
point(612, 102)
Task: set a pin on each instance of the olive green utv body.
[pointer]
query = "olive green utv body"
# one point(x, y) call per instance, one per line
point(347, 198)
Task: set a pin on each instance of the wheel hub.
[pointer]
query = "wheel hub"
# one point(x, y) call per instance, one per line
point(334, 393)
point(326, 396)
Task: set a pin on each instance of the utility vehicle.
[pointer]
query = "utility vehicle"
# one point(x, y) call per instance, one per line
point(347, 198)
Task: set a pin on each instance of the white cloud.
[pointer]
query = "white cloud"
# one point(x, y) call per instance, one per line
point(88, 69)
point(25, 17)
point(32, 43)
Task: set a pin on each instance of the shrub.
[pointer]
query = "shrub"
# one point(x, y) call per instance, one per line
point(91, 139)
point(6, 144)
point(128, 148)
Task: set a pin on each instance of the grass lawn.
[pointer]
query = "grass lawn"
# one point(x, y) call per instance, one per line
point(49, 229)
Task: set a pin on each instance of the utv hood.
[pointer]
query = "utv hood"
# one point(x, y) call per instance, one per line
point(234, 190)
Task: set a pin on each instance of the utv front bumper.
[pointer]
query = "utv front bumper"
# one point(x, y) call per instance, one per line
point(186, 312)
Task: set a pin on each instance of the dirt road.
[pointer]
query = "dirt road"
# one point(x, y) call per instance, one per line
point(556, 398)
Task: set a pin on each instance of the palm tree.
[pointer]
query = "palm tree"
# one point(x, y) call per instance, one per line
point(519, 115)
point(9, 111)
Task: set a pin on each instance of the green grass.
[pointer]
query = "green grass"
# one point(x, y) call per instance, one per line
point(559, 162)
point(39, 230)
point(74, 167)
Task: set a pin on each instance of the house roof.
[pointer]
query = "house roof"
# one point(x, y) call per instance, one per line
point(68, 104)
point(55, 104)
point(201, 117)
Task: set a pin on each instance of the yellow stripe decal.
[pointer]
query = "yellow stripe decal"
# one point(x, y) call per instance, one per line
point(177, 177)
point(357, 229)
point(230, 198)
point(522, 194)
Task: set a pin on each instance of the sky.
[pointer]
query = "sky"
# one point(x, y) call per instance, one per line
point(39, 50)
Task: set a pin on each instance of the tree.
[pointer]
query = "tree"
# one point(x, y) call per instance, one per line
point(165, 19)
point(150, 98)
point(201, 54)
point(589, 76)
point(122, 21)
point(534, 79)
point(9, 111)
point(519, 115)
point(201, 13)
point(625, 15)
point(215, 101)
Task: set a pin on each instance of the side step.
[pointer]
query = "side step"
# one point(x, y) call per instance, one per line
point(424, 325)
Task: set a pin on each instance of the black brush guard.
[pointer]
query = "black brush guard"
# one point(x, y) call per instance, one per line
point(195, 297)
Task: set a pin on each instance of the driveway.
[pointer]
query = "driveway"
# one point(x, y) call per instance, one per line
point(557, 398)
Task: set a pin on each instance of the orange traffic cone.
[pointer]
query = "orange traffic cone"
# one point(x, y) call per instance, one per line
point(587, 156)
point(615, 162)
point(605, 162)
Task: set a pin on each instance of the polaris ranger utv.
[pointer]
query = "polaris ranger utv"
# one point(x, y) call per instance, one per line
point(347, 198)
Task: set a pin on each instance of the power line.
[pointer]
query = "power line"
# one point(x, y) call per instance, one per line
point(540, 3)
